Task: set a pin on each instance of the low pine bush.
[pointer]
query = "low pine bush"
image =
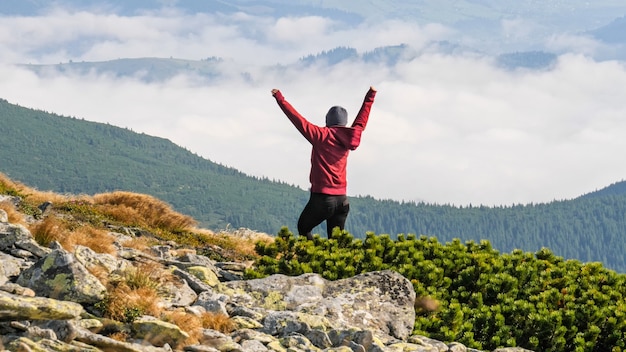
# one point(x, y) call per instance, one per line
point(487, 300)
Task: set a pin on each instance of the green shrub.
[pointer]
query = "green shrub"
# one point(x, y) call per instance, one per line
point(488, 300)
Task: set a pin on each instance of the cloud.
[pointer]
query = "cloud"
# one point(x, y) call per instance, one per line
point(444, 128)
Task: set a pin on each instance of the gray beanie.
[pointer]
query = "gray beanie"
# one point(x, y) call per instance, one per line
point(336, 116)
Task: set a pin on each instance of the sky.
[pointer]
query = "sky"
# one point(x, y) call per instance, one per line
point(444, 129)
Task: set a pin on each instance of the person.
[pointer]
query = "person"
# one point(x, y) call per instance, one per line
point(331, 145)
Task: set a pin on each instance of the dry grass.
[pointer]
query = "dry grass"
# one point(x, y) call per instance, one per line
point(100, 272)
point(242, 242)
point(135, 293)
point(217, 321)
point(15, 217)
point(48, 230)
point(149, 274)
point(139, 243)
point(55, 229)
point(125, 303)
point(33, 196)
point(99, 240)
point(142, 210)
point(190, 323)
point(119, 336)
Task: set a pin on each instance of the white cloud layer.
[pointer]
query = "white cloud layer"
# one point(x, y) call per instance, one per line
point(443, 129)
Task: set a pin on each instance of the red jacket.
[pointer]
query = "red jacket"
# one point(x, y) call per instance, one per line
point(331, 145)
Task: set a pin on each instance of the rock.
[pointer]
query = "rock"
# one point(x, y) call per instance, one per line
point(11, 266)
point(109, 344)
point(14, 307)
point(200, 348)
point(177, 293)
point(17, 289)
point(17, 236)
point(90, 259)
point(44, 345)
point(253, 346)
point(249, 334)
point(204, 274)
point(213, 302)
point(196, 284)
point(246, 323)
point(219, 341)
point(158, 332)
point(59, 275)
point(381, 301)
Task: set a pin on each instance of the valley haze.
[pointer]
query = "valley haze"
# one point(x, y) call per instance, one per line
point(449, 125)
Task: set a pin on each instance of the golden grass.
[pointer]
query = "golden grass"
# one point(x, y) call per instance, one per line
point(48, 230)
point(217, 321)
point(241, 242)
point(15, 217)
point(149, 275)
point(119, 336)
point(33, 196)
point(190, 323)
point(136, 293)
point(139, 243)
point(125, 303)
point(99, 240)
point(142, 210)
point(100, 272)
point(55, 229)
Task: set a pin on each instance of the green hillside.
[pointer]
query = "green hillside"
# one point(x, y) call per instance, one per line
point(72, 155)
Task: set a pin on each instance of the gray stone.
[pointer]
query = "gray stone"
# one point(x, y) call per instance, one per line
point(90, 259)
point(380, 301)
point(253, 346)
point(213, 302)
point(249, 334)
point(109, 344)
point(177, 293)
point(195, 283)
point(14, 307)
point(11, 266)
point(158, 332)
point(59, 275)
point(283, 323)
point(200, 348)
point(219, 341)
point(63, 329)
point(17, 236)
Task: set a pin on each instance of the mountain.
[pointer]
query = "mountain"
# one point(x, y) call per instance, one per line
point(205, 71)
point(484, 20)
point(616, 189)
point(612, 33)
point(72, 155)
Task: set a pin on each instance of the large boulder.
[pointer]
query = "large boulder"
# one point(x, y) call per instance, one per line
point(381, 301)
point(59, 275)
point(16, 307)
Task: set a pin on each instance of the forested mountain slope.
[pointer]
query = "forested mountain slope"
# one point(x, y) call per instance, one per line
point(71, 155)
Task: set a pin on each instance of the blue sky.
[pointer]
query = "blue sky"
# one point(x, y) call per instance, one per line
point(447, 129)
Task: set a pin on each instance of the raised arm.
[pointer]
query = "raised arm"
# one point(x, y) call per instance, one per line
point(307, 129)
point(362, 117)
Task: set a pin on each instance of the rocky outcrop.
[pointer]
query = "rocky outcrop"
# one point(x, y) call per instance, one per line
point(49, 299)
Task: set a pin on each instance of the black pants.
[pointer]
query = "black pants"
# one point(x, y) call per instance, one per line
point(333, 209)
